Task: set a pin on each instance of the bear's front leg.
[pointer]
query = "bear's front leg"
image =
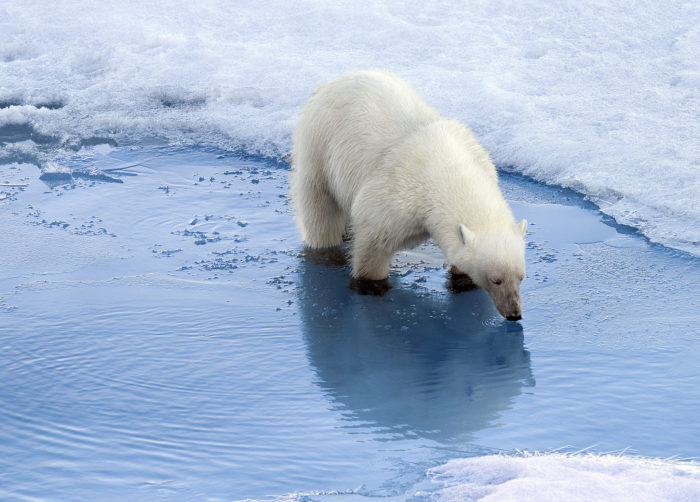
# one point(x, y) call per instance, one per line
point(459, 282)
point(370, 268)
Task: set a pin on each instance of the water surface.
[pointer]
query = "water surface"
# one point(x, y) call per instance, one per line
point(166, 337)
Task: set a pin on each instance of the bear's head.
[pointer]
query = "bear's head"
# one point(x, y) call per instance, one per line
point(495, 261)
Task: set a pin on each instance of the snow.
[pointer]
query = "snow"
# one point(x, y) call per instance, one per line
point(556, 477)
point(600, 97)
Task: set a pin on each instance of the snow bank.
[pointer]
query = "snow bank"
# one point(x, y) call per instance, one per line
point(601, 97)
point(556, 477)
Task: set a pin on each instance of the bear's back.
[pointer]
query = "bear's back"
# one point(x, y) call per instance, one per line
point(372, 101)
point(350, 122)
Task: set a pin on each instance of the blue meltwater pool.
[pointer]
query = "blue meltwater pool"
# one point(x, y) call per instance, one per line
point(164, 336)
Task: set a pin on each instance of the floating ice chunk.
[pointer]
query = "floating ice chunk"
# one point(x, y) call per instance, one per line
point(95, 175)
point(53, 172)
point(52, 167)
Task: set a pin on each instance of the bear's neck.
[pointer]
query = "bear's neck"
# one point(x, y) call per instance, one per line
point(459, 205)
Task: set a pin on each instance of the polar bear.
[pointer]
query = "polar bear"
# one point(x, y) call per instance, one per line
point(372, 159)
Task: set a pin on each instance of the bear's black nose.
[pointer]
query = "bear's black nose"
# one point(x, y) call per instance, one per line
point(514, 317)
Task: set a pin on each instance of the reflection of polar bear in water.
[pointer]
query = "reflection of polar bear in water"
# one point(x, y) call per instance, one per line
point(414, 364)
point(369, 153)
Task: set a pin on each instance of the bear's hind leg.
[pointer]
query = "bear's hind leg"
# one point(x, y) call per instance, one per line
point(370, 267)
point(369, 261)
point(321, 221)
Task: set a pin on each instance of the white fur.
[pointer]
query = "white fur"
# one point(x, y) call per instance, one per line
point(371, 155)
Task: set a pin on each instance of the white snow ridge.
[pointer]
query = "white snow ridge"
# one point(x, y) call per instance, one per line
point(571, 478)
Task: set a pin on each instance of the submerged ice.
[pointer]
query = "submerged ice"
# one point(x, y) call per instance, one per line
point(597, 97)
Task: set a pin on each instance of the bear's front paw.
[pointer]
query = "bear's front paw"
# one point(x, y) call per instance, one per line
point(458, 283)
point(369, 286)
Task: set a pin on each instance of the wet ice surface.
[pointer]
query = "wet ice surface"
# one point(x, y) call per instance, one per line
point(165, 337)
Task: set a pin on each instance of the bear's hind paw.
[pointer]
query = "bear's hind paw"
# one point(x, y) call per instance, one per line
point(336, 256)
point(369, 286)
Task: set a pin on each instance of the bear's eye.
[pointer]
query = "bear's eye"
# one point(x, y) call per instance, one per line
point(497, 282)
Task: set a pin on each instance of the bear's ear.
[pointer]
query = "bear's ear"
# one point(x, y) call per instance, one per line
point(522, 227)
point(467, 235)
